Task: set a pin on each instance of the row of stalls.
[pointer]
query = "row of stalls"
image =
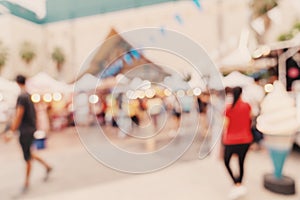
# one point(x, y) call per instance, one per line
point(53, 99)
point(116, 68)
point(50, 96)
point(58, 103)
point(120, 72)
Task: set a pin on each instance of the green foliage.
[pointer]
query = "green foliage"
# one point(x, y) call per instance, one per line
point(58, 56)
point(297, 26)
point(27, 52)
point(261, 7)
point(290, 34)
point(3, 54)
point(285, 36)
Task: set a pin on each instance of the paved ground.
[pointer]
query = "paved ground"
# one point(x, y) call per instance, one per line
point(77, 175)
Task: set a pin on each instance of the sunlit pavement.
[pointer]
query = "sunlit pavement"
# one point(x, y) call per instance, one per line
point(77, 175)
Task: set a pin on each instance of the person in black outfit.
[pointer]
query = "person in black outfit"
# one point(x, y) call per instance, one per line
point(25, 122)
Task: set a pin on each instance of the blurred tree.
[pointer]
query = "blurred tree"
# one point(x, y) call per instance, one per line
point(27, 52)
point(290, 34)
point(58, 57)
point(297, 26)
point(259, 9)
point(285, 36)
point(3, 55)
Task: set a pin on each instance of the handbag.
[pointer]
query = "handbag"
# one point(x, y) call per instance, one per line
point(257, 135)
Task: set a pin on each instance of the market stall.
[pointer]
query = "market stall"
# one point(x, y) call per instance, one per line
point(51, 98)
point(236, 78)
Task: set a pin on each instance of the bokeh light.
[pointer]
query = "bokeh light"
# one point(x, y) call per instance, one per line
point(269, 87)
point(190, 92)
point(150, 93)
point(140, 94)
point(180, 93)
point(167, 92)
point(35, 98)
point(47, 97)
point(93, 99)
point(197, 91)
point(57, 96)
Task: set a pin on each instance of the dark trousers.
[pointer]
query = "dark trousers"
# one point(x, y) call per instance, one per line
point(26, 141)
point(135, 119)
point(240, 150)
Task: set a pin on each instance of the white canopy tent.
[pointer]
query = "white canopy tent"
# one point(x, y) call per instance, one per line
point(9, 86)
point(239, 58)
point(43, 83)
point(9, 91)
point(252, 93)
point(236, 78)
point(178, 59)
point(87, 82)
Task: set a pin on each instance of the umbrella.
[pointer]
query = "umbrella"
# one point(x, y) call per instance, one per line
point(236, 78)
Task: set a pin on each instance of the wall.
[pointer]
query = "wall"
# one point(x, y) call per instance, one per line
point(13, 33)
point(78, 37)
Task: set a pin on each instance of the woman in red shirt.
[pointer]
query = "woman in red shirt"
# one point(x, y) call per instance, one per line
point(237, 137)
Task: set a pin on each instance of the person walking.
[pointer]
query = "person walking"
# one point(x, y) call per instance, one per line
point(237, 138)
point(25, 122)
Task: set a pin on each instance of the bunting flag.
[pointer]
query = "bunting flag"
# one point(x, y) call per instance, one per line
point(113, 69)
point(135, 54)
point(179, 19)
point(128, 59)
point(197, 4)
point(119, 63)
